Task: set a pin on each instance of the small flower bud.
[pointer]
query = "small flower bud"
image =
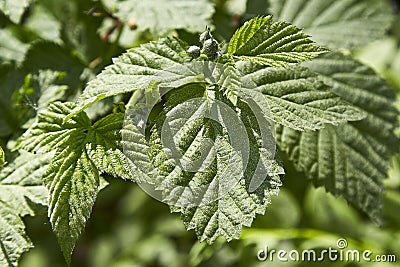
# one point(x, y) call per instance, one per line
point(194, 51)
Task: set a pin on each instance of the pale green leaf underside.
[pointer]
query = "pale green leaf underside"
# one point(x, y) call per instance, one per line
point(297, 99)
point(265, 42)
point(134, 70)
point(82, 152)
point(14, 9)
point(336, 24)
point(20, 187)
point(161, 16)
point(350, 160)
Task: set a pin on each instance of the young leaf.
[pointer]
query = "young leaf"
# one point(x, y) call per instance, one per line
point(350, 160)
point(161, 16)
point(83, 152)
point(265, 42)
point(20, 187)
point(297, 99)
point(336, 24)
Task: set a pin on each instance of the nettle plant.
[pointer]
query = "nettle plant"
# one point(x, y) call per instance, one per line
point(202, 126)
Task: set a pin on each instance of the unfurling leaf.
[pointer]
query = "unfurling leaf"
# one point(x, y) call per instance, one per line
point(270, 43)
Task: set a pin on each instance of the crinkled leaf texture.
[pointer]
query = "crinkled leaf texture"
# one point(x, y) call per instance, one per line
point(352, 159)
point(82, 152)
point(21, 188)
point(260, 41)
point(161, 16)
point(217, 199)
point(336, 24)
point(134, 70)
point(296, 98)
point(263, 41)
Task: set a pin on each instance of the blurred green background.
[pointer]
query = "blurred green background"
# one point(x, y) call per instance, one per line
point(129, 228)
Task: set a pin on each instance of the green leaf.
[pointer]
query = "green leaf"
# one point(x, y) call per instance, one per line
point(245, 33)
point(105, 148)
point(43, 23)
point(336, 24)
point(38, 92)
point(296, 98)
point(265, 42)
point(14, 9)
point(44, 55)
point(25, 95)
point(49, 132)
point(135, 70)
point(83, 152)
point(20, 187)
point(134, 141)
point(352, 159)
point(79, 31)
point(136, 147)
point(73, 183)
point(161, 16)
point(21, 180)
point(11, 48)
point(241, 204)
point(203, 170)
